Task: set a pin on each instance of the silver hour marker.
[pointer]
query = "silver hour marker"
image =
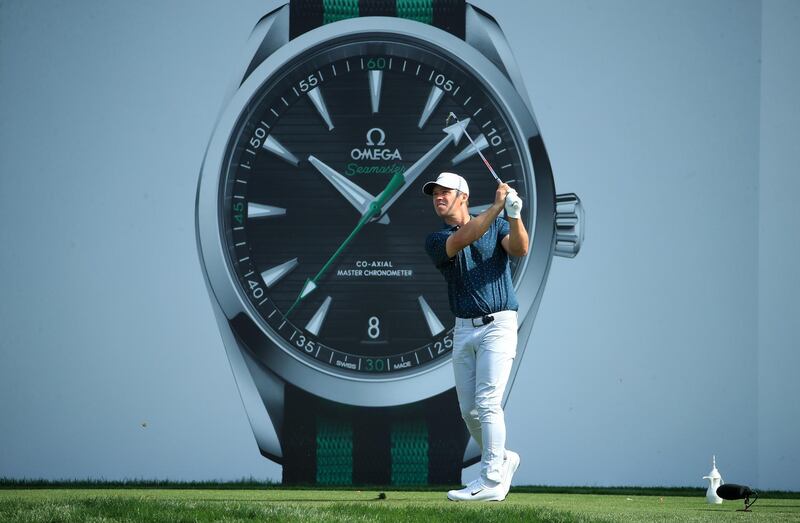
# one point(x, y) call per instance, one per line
point(256, 210)
point(480, 144)
point(315, 323)
point(274, 146)
point(375, 80)
point(307, 288)
point(273, 275)
point(430, 317)
point(315, 95)
point(434, 98)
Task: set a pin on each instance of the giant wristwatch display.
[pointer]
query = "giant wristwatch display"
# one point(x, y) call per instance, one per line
point(311, 228)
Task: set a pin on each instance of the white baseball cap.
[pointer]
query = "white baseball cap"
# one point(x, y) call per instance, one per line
point(449, 180)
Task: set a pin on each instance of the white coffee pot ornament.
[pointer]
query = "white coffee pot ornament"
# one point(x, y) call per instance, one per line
point(715, 480)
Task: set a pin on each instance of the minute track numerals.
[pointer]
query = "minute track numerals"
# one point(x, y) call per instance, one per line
point(294, 195)
point(312, 347)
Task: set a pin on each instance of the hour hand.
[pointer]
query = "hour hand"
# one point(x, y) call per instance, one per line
point(358, 197)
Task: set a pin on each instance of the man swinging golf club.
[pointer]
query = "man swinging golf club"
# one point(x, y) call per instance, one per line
point(472, 255)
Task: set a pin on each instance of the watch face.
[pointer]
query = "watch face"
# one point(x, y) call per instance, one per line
point(340, 286)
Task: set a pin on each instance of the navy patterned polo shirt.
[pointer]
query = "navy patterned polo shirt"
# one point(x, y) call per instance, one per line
point(478, 276)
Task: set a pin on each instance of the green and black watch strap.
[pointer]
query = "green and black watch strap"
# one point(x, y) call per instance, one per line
point(329, 443)
point(305, 15)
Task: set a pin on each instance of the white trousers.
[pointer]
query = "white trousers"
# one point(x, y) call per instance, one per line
point(482, 359)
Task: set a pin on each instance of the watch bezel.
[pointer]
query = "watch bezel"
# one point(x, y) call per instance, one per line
point(343, 387)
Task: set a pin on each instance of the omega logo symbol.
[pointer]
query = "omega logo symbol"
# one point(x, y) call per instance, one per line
point(376, 139)
point(381, 134)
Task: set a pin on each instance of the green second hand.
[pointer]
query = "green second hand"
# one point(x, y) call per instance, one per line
point(395, 183)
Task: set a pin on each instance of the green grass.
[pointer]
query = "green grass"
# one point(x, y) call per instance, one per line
point(279, 504)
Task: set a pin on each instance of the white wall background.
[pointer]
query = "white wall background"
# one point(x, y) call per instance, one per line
point(670, 338)
point(778, 254)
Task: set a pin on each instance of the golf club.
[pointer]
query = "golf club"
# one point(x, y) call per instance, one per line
point(451, 116)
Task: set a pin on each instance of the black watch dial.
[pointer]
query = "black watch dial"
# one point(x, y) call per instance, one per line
point(319, 141)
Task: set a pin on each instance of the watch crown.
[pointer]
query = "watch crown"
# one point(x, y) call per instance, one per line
point(569, 225)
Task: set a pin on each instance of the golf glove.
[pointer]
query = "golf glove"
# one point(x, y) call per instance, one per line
point(513, 204)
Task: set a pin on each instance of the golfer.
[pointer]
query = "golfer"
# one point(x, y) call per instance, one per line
point(472, 254)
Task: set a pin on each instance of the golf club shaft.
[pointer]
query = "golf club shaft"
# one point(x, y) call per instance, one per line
point(485, 161)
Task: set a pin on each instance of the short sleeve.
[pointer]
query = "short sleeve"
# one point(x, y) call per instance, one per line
point(436, 247)
point(503, 229)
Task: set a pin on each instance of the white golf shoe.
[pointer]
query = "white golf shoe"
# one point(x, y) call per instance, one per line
point(510, 466)
point(477, 491)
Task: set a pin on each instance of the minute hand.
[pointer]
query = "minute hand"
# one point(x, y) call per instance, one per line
point(454, 133)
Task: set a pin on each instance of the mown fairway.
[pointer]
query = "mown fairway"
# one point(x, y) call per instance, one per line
point(172, 505)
